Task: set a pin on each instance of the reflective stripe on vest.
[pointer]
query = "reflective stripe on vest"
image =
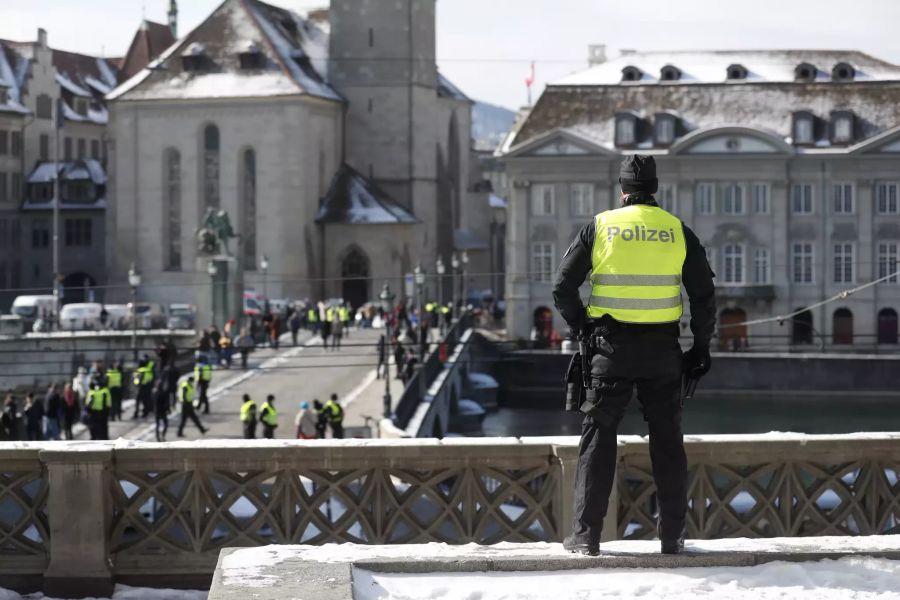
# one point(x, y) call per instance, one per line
point(114, 378)
point(637, 259)
point(248, 411)
point(186, 392)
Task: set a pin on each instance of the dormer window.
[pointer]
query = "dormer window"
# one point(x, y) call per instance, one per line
point(670, 73)
point(631, 73)
point(843, 127)
point(843, 72)
point(193, 58)
point(805, 72)
point(626, 129)
point(736, 72)
point(81, 106)
point(251, 57)
point(665, 128)
point(804, 129)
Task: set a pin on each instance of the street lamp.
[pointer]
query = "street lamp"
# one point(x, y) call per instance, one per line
point(454, 262)
point(439, 267)
point(213, 270)
point(134, 280)
point(420, 281)
point(264, 265)
point(387, 303)
point(462, 283)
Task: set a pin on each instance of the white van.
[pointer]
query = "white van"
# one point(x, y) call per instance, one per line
point(31, 308)
point(80, 315)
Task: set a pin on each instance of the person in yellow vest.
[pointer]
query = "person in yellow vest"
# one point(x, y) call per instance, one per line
point(344, 315)
point(268, 416)
point(638, 256)
point(186, 398)
point(248, 417)
point(334, 414)
point(98, 404)
point(431, 315)
point(203, 377)
point(143, 384)
point(114, 381)
point(446, 316)
point(312, 318)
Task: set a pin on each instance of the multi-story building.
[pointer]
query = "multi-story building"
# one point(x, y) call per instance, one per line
point(785, 163)
point(330, 139)
point(53, 148)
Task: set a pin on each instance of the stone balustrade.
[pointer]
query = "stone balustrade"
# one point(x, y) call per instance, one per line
point(74, 517)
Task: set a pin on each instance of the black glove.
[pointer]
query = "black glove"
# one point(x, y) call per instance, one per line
point(696, 362)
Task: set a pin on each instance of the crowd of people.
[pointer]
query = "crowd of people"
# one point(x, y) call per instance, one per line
point(312, 421)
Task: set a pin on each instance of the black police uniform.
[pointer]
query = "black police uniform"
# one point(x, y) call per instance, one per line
point(643, 356)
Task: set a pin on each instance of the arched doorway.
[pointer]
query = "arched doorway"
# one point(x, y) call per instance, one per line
point(78, 287)
point(802, 328)
point(842, 326)
point(732, 337)
point(355, 277)
point(887, 326)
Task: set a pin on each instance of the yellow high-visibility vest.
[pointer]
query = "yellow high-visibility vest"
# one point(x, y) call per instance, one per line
point(99, 399)
point(203, 373)
point(638, 255)
point(114, 377)
point(329, 314)
point(248, 411)
point(344, 313)
point(269, 415)
point(313, 315)
point(186, 392)
point(334, 412)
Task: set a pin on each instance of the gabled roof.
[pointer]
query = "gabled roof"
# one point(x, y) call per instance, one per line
point(90, 74)
point(294, 50)
point(446, 89)
point(149, 42)
point(356, 200)
point(13, 71)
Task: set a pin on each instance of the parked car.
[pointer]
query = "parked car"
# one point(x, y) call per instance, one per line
point(80, 315)
point(182, 316)
point(278, 306)
point(118, 316)
point(150, 315)
point(32, 308)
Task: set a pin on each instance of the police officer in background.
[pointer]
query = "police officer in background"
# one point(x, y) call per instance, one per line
point(638, 256)
point(248, 417)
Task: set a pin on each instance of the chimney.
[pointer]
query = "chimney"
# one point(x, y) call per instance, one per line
point(42, 37)
point(596, 54)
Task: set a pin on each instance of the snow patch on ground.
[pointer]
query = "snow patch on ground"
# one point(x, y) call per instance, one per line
point(852, 578)
point(122, 592)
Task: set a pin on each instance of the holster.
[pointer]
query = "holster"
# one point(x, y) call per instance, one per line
point(575, 392)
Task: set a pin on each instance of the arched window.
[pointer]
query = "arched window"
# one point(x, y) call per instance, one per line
point(210, 167)
point(887, 326)
point(248, 207)
point(172, 209)
point(802, 328)
point(842, 326)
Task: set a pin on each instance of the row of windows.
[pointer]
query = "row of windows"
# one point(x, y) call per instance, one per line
point(803, 331)
point(10, 187)
point(209, 176)
point(10, 234)
point(733, 267)
point(10, 143)
point(727, 198)
point(73, 148)
point(10, 274)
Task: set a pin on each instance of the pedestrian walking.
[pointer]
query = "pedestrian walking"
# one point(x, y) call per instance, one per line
point(312, 318)
point(114, 382)
point(248, 417)
point(274, 331)
point(337, 331)
point(186, 397)
point(10, 420)
point(226, 350)
point(334, 412)
point(143, 385)
point(70, 410)
point(321, 419)
point(34, 418)
point(295, 323)
point(81, 383)
point(53, 402)
point(637, 257)
point(381, 348)
point(325, 331)
point(161, 406)
point(244, 344)
point(344, 315)
point(268, 416)
point(203, 377)
point(305, 422)
point(98, 404)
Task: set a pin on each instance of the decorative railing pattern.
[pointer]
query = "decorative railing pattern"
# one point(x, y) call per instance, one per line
point(141, 511)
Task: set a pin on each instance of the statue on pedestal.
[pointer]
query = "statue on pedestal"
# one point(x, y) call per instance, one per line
point(214, 232)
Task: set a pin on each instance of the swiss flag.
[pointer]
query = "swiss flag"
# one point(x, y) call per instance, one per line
point(530, 78)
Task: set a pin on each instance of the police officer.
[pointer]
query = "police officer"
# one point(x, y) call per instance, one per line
point(186, 396)
point(312, 318)
point(268, 416)
point(344, 316)
point(114, 381)
point(98, 404)
point(638, 256)
point(334, 414)
point(248, 417)
point(203, 377)
point(143, 383)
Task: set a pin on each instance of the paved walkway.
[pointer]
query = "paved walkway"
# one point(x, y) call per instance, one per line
point(306, 372)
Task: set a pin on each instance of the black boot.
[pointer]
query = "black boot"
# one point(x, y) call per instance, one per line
point(581, 546)
point(670, 545)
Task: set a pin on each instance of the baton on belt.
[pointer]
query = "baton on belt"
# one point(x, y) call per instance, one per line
point(690, 386)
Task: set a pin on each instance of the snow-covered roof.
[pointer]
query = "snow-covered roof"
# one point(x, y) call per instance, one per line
point(773, 66)
point(356, 200)
point(69, 170)
point(587, 103)
point(63, 80)
point(296, 52)
point(13, 70)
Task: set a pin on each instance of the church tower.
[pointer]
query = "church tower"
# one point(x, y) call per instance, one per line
point(382, 60)
point(173, 18)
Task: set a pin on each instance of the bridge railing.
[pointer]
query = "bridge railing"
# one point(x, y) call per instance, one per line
point(92, 512)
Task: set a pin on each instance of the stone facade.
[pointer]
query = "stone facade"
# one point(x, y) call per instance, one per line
point(786, 222)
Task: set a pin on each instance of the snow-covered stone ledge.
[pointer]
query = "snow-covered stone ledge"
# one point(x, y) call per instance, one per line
point(345, 571)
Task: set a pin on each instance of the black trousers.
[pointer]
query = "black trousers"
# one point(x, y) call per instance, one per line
point(203, 400)
point(249, 430)
point(650, 363)
point(187, 412)
point(115, 394)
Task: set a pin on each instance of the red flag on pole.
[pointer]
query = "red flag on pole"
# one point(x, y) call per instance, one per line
point(530, 78)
